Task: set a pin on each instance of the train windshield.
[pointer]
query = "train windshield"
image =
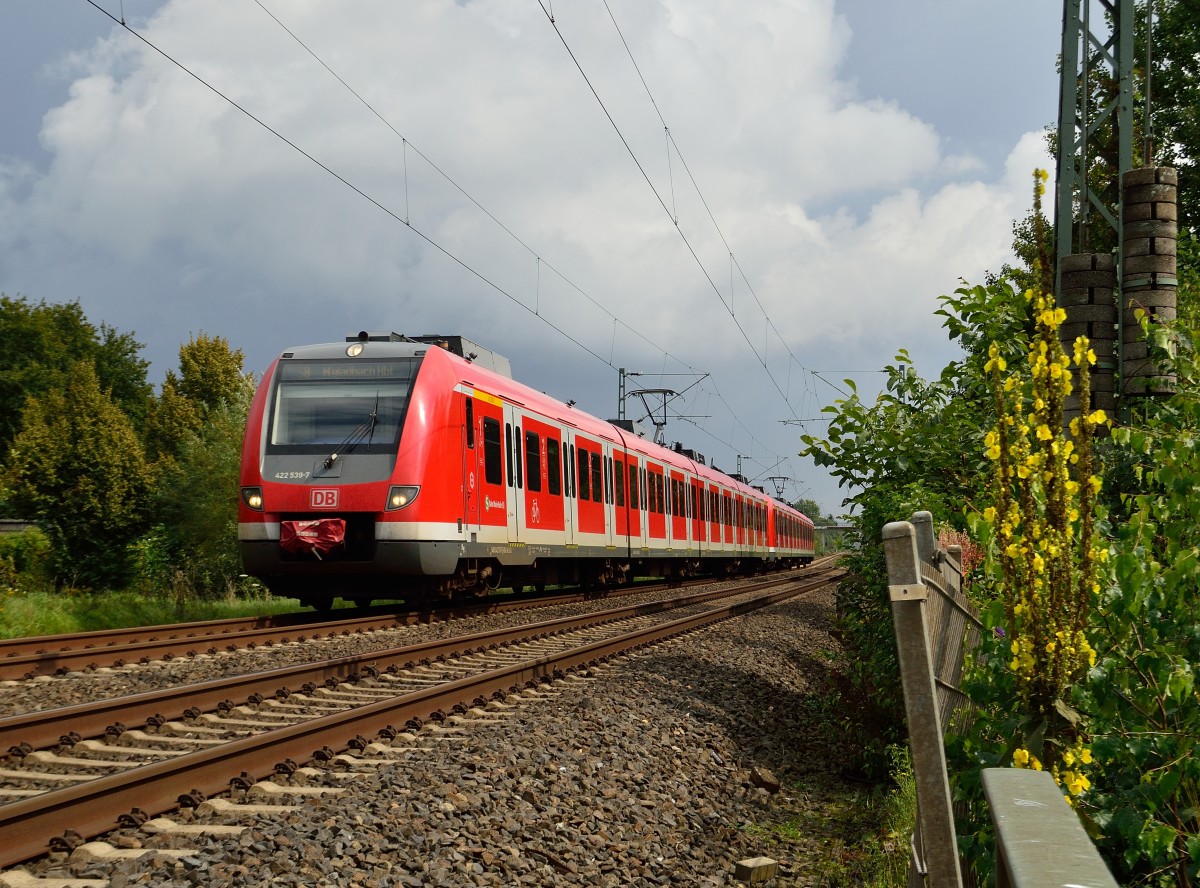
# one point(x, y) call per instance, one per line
point(358, 404)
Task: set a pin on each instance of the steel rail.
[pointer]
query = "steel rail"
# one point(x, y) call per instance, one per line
point(23, 658)
point(93, 808)
point(45, 728)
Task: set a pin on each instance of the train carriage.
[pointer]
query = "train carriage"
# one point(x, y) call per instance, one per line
point(388, 466)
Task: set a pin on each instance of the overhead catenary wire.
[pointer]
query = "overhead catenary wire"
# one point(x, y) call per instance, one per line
point(687, 243)
point(387, 210)
point(406, 219)
point(539, 260)
point(703, 200)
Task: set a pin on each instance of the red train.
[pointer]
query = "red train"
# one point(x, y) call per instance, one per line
point(388, 463)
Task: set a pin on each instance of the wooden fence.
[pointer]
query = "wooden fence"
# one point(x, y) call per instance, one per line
point(1039, 840)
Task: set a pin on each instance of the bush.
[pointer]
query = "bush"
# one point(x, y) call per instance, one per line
point(25, 562)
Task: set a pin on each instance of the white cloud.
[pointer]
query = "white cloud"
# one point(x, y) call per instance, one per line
point(162, 205)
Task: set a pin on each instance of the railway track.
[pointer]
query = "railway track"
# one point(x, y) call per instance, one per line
point(25, 658)
point(81, 767)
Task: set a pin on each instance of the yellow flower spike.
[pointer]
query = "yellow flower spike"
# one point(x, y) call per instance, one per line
point(1021, 758)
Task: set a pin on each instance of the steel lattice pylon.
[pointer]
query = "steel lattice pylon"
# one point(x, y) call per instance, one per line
point(1086, 55)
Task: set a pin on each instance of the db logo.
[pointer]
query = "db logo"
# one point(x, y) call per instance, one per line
point(324, 498)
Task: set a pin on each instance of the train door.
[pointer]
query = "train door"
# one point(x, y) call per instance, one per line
point(589, 479)
point(637, 503)
point(679, 510)
point(714, 517)
point(569, 487)
point(620, 501)
point(487, 498)
point(696, 492)
point(472, 452)
point(542, 476)
point(610, 497)
point(656, 518)
point(514, 474)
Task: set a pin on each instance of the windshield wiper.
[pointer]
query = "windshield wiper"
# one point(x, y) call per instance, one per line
point(364, 429)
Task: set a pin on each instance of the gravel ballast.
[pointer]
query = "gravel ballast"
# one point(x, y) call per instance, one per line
point(656, 769)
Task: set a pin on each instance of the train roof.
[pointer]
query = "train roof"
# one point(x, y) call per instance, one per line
point(398, 345)
point(482, 368)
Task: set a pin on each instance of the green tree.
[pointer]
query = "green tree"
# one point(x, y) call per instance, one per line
point(916, 446)
point(812, 509)
point(76, 467)
point(194, 434)
point(40, 343)
point(210, 378)
point(1175, 95)
point(199, 520)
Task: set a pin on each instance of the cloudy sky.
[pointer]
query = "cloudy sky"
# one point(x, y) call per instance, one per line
point(748, 201)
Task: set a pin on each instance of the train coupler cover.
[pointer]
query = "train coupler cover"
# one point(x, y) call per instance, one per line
point(317, 537)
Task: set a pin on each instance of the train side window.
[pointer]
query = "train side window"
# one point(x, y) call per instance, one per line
point(491, 450)
point(619, 483)
point(470, 424)
point(608, 483)
point(553, 466)
point(633, 485)
point(533, 461)
point(508, 460)
point(597, 482)
point(584, 490)
point(569, 468)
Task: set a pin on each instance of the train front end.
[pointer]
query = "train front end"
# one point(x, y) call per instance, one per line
point(333, 467)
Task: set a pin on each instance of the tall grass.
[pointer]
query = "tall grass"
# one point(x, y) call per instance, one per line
point(25, 614)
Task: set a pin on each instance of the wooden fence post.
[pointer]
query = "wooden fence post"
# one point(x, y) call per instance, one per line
point(923, 522)
point(937, 841)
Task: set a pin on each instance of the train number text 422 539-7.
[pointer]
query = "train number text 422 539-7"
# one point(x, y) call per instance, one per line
point(291, 476)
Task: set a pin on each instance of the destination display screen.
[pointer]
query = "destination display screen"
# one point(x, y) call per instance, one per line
point(358, 405)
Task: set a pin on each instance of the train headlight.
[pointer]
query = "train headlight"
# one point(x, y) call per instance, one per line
point(252, 497)
point(399, 497)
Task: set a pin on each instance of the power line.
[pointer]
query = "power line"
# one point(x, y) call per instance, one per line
point(699, 193)
point(728, 307)
point(513, 235)
point(406, 221)
point(429, 240)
